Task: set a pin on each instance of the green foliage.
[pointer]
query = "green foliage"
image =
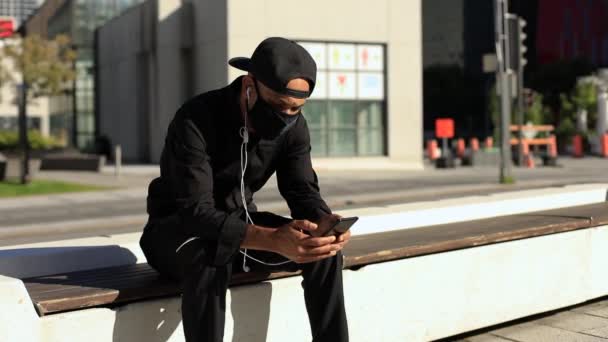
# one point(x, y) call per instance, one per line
point(536, 113)
point(47, 65)
point(565, 131)
point(583, 96)
point(9, 140)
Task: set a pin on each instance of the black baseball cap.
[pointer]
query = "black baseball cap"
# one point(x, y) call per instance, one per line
point(276, 61)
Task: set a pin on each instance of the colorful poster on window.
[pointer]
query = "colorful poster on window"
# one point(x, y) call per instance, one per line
point(370, 86)
point(318, 51)
point(342, 56)
point(320, 91)
point(370, 57)
point(342, 85)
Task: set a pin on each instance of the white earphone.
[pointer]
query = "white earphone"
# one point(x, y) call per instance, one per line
point(245, 135)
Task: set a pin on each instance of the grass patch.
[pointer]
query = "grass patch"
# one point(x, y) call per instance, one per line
point(13, 188)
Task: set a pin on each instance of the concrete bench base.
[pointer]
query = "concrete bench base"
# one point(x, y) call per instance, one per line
point(416, 299)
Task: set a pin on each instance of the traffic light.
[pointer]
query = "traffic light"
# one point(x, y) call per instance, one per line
point(517, 45)
point(521, 37)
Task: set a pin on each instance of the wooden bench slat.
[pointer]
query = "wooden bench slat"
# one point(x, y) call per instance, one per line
point(122, 284)
point(152, 286)
point(43, 284)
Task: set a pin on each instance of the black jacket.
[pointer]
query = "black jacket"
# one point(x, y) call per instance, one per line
point(200, 171)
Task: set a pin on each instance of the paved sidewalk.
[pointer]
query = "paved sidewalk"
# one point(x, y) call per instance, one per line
point(124, 209)
point(582, 323)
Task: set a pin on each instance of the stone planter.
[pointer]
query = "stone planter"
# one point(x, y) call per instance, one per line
point(11, 167)
point(73, 162)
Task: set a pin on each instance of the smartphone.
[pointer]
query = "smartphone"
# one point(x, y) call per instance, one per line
point(341, 226)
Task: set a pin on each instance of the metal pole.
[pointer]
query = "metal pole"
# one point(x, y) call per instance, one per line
point(23, 139)
point(503, 58)
point(520, 112)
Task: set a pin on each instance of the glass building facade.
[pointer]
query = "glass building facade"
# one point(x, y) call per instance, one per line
point(346, 113)
point(73, 115)
point(18, 9)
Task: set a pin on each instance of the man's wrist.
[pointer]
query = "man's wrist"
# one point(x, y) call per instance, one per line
point(259, 238)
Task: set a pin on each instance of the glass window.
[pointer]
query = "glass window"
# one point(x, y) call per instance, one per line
point(346, 117)
point(342, 142)
point(318, 142)
point(33, 123)
point(342, 114)
point(8, 123)
point(370, 134)
point(315, 113)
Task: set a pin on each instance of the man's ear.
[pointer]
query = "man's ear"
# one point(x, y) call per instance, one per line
point(249, 88)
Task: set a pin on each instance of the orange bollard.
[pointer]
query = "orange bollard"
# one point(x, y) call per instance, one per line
point(525, 148)
point(489, 142)
point(474, 144)
point(431, 149)
point(529, 158)
point(460, 147)
point(553, 147)
point(604, 141)
point(577, 144)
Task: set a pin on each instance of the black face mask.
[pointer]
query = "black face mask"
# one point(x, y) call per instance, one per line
point(268, 122)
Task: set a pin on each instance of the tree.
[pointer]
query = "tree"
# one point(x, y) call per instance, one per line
point(582, 97)
point(46, 68)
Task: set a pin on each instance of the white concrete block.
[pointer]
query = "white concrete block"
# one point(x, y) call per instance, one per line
point(270, 311)
point(92, 325)
point(415, 299)
point(18, 319)
point(412, 215)
point(459, 291)
point(598, 266)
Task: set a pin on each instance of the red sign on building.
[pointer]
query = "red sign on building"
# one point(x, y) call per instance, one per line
point(444, 128)
point(7, 27)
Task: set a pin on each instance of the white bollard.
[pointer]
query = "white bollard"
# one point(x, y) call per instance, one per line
point(118, 160)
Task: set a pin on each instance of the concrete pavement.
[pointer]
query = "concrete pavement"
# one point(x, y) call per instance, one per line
point(123, 209)
point(581, 323)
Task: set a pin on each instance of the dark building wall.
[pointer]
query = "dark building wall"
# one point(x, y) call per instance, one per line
point(569, 29)
point(457, 87)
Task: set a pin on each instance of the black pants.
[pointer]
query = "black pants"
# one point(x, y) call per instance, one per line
point(204, 286)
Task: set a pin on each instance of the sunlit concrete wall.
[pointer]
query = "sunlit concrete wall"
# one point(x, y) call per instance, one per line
point(191, 43)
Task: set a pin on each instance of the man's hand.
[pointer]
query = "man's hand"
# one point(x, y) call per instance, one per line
point(325, 223)
point(291, 242)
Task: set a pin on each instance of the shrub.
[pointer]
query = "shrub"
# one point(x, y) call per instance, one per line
point(9, 140)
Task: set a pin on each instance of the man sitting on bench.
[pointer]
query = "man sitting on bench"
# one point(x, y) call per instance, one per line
point(221, 147)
